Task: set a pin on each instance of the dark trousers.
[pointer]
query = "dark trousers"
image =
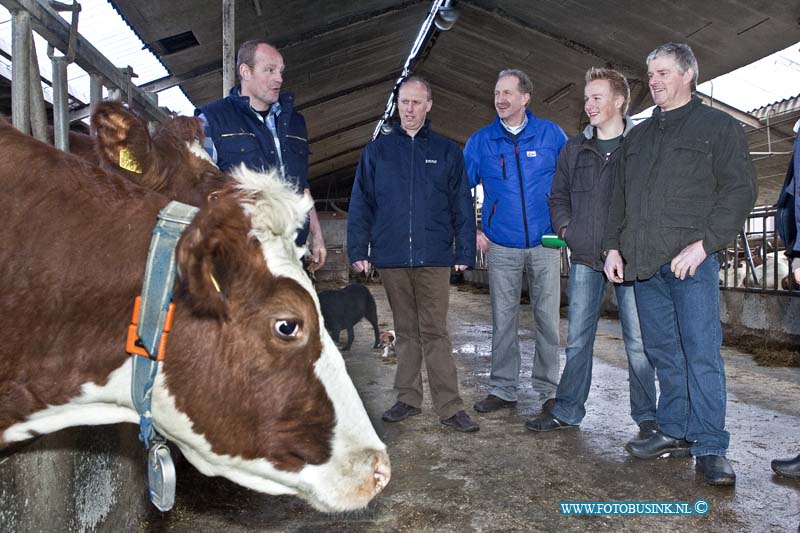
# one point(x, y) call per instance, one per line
point(419, 298)
point(682, 336)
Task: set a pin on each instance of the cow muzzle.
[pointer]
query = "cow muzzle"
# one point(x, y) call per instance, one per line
point(350, 483)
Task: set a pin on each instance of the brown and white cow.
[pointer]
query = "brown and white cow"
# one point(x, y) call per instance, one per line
point(252, 388)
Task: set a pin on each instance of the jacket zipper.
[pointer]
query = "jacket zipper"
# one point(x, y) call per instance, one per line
point(411, 206)
point(494, 210)
point(522, 196)
point(503, 165)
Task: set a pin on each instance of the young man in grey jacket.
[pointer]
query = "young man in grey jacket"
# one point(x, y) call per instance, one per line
point(579, 200)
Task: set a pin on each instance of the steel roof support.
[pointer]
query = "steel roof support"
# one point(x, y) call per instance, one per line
point(21, 69)
point(38, 110)
point(228, 46)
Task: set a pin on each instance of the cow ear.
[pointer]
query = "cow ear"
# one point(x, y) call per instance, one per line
point(203, 279)
point(123, 141)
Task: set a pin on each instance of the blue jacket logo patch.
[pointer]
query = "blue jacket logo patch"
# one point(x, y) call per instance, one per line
point(531, 153)
point(430, 161)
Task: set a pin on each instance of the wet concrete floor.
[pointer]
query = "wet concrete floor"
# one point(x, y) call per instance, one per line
point(505, 478)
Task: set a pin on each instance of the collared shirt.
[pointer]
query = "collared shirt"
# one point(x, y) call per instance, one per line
point(515, 130)
point(269, 120)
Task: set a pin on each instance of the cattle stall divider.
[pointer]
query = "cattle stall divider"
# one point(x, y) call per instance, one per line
point(43, 18)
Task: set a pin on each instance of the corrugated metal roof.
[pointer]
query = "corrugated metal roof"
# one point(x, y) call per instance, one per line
point(102, 26)
point(788, 105)
point(770, 79)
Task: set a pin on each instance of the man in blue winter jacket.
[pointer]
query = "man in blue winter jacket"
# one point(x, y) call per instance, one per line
point(256, 125)
point(514, 158)
point(411, 216)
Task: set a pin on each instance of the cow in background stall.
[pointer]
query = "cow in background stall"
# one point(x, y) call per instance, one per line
point(124, 146)
point(252, 388)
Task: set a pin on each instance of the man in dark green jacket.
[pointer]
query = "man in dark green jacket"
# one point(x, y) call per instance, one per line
point(684, 187)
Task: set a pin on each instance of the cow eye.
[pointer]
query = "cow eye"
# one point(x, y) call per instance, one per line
point(287, 328)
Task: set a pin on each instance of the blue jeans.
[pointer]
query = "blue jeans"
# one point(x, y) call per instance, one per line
point(585, 289)
point(543, 268)
point(682, 335)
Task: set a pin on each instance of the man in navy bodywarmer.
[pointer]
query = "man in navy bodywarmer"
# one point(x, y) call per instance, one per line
point(256, 125)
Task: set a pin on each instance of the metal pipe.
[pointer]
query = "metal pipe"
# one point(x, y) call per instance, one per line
point(228, 46)
point(95, 94)
point(21, 70)
point(95, 89)
point(60, 103)
point(416, 47)
point(38, 110)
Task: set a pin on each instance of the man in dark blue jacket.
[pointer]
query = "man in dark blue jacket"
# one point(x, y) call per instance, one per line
point(411, 216)
point(256, 125)
point(514, 158)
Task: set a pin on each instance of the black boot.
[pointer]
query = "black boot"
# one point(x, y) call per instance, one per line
point(657, 445)
point(717, 470)
point(787, 467)
point(647, 428)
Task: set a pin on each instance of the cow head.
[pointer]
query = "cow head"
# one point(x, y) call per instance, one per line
point(267, 402)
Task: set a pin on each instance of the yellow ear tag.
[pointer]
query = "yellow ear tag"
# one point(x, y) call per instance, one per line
point(214, 283)
point(128, 162)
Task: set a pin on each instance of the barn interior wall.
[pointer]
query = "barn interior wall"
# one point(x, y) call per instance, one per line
point(771, 316)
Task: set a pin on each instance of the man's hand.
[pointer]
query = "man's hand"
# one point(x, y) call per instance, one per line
point(460, 268)
point(317, 241)
point(361, 266)
point(614, 267)
point(481, 241)
point(318, 251)
point(687, 261)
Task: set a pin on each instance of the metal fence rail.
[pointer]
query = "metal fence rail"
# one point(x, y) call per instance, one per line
point(754, 262)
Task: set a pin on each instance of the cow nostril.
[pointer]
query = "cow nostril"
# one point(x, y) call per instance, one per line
point(382, 473)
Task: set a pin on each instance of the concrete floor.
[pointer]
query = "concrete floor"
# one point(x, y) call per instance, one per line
point(505, 478)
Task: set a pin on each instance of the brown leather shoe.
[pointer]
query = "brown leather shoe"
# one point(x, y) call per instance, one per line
point(492, 403)
point(461, 422)
point(400, 411)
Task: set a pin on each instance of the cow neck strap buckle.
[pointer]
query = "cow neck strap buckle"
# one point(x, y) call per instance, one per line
point(151, 325)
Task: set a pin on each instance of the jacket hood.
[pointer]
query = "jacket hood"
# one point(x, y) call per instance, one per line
point(588, 131)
